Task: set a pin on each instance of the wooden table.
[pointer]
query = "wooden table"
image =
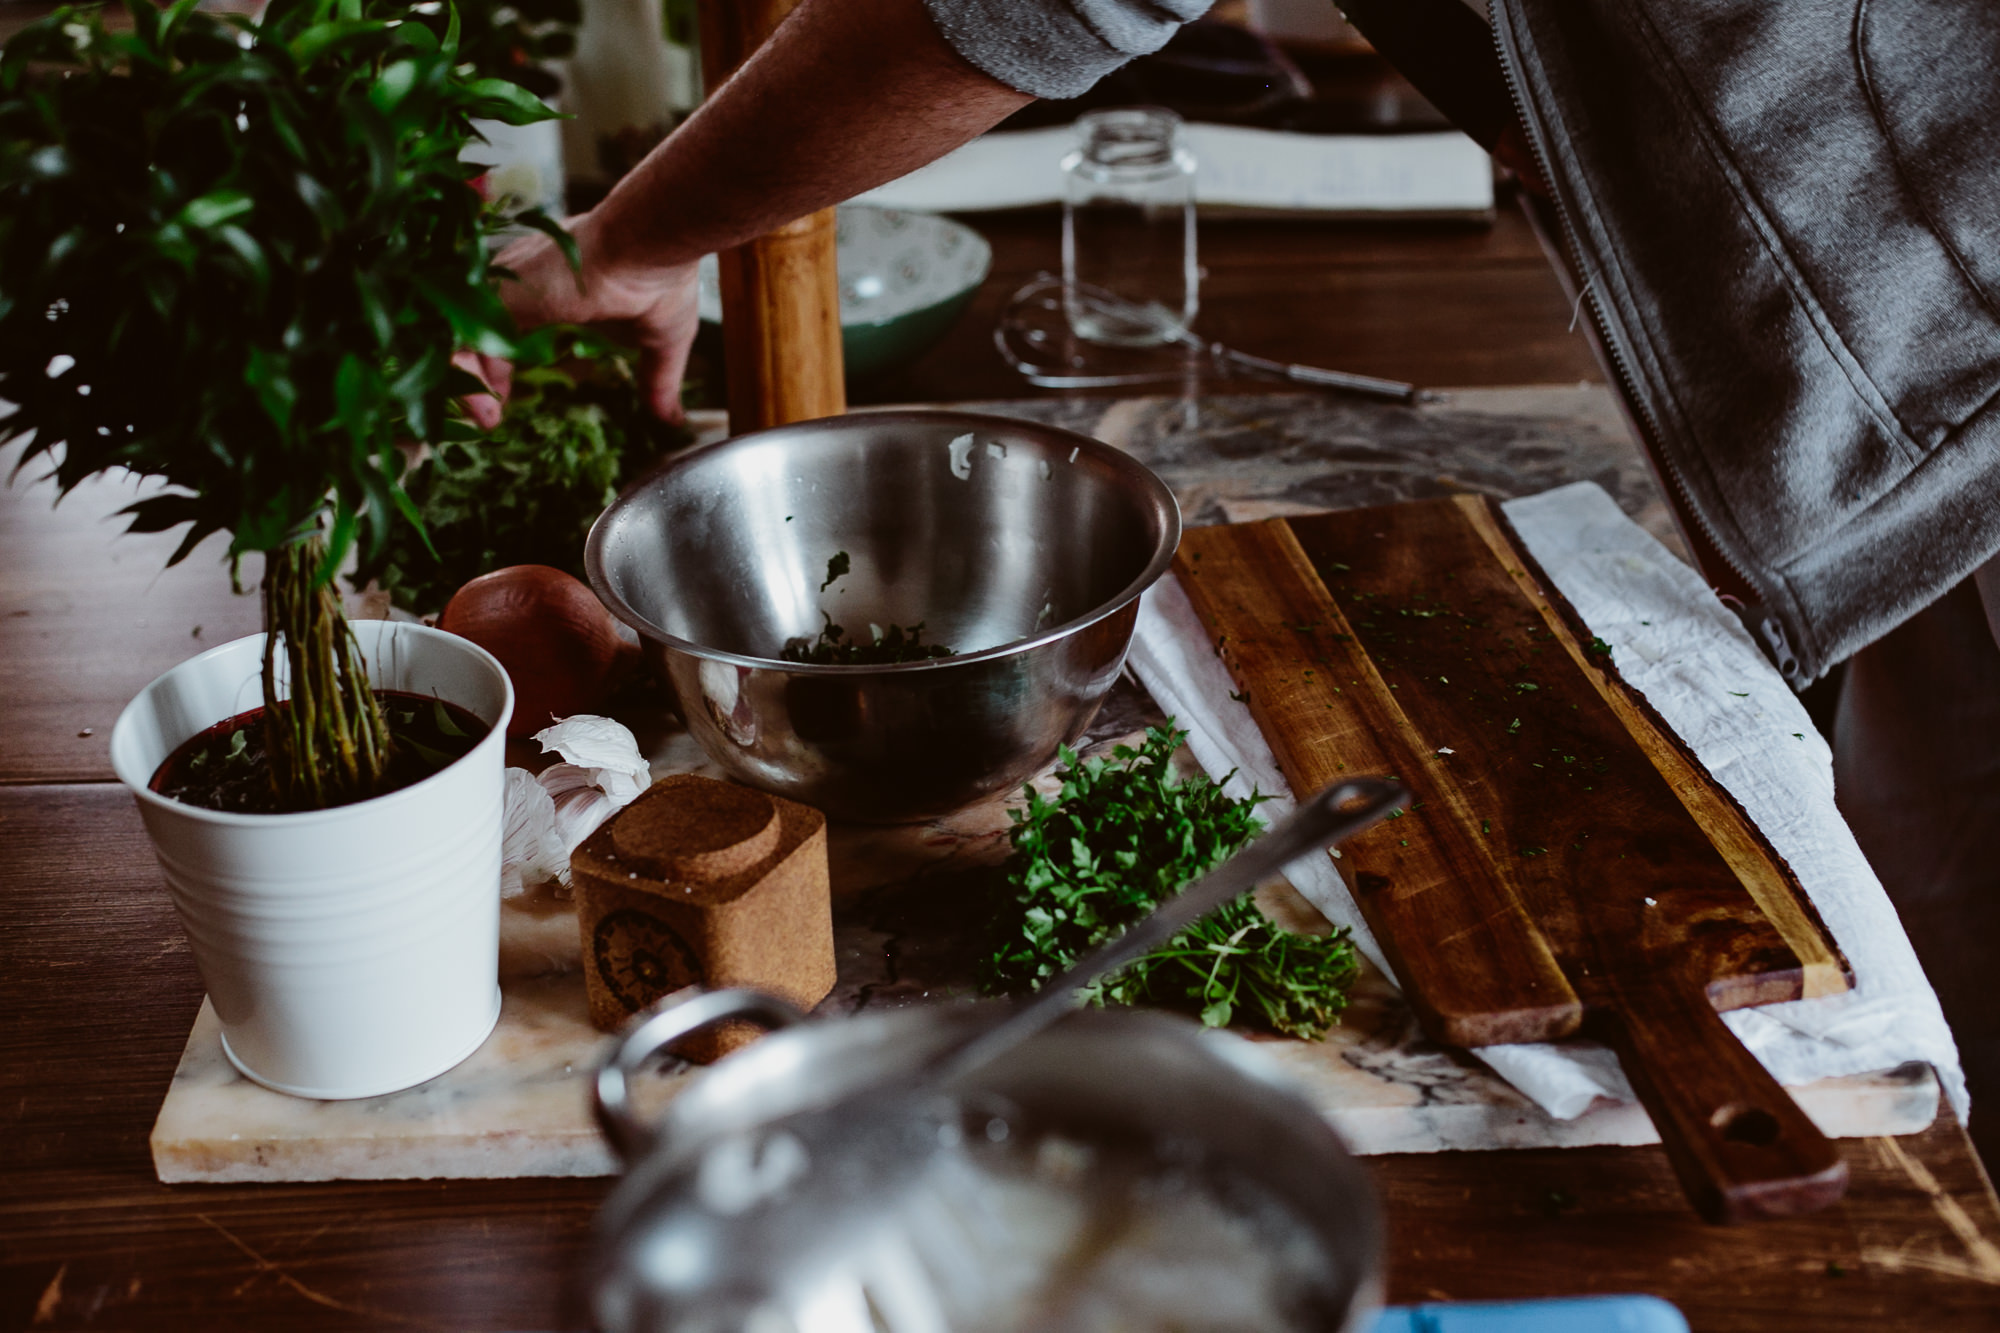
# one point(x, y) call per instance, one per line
point(1434, 303)
point(97, 988)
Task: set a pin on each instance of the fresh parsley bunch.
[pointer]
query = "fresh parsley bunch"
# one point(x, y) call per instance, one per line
point(576, 430)
point(1121, 836)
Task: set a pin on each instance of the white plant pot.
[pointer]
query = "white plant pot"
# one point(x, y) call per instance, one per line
point(353, 951)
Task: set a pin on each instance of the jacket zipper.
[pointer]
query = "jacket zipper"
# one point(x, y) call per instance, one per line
point(1765, 628)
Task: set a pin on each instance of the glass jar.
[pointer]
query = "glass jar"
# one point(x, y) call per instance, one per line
point(1129, 272)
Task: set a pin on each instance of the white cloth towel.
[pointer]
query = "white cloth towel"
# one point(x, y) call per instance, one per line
point(1676, 644)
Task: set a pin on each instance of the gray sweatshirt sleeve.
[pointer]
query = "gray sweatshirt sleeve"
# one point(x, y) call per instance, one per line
point(1058, 48)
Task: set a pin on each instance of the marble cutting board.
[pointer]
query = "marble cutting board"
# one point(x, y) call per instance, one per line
point(519, 1106)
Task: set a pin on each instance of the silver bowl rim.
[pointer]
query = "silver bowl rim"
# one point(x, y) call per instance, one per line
point(1149, 484)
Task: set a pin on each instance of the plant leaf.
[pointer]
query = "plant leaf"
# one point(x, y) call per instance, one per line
point(509, 103)
point(442, 717)
point(394, 84)
point(539, 220)
point(477, 326)
point(352, 383)
point(339, 541)
point(158, 513)
point(215, 208)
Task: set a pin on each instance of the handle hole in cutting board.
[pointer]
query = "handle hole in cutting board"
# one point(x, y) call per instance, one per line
point(1746, 1124)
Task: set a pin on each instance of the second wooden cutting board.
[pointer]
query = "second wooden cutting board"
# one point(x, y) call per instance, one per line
point(1566, 865)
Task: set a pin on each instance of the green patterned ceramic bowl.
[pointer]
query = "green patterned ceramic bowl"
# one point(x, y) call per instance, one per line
point(904, 279)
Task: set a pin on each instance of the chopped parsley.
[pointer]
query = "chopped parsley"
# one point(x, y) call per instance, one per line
point(883, 647)
point(886, 648)
point(835, 568)
point(1122, 835)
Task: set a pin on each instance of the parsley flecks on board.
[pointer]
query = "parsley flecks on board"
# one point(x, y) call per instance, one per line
point(1121, 836)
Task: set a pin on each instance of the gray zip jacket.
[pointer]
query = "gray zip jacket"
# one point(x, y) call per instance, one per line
point(1784, 217)
point(1058, 48)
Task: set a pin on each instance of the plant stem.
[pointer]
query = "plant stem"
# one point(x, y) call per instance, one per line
point(328, 742)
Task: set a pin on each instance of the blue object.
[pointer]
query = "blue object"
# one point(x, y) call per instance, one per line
point(1583, 1314)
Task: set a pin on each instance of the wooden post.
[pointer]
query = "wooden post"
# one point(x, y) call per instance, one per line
point(780, 292)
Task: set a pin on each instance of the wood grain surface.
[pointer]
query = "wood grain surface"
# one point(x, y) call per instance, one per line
point(1434, 303)
point(1549, 876)
point(1484, 974)
point(88, 617)
point(97, 990)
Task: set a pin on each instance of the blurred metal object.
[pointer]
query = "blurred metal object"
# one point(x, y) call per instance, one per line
point(768, 1204)
point(1395, 391)
point(1025, 547)
point(814, 1181)
point(1025, 339)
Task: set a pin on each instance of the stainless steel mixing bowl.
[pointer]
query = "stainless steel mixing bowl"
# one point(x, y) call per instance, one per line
point(1024, 547)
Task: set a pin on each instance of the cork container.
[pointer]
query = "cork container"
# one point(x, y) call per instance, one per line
point(699, 882)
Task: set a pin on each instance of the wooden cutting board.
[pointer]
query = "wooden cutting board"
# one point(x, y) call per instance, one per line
point(1566, 865)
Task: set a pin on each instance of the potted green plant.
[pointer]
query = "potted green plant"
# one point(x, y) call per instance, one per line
point(237, 258)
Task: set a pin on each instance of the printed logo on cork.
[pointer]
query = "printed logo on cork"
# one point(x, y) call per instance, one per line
point(640, 957)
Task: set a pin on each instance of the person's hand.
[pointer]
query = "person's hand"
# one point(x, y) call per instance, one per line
point(652, 309)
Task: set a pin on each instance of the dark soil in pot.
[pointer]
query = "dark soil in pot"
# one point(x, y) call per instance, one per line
point(224, 767)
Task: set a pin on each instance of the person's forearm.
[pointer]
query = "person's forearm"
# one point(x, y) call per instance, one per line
point(846, 95)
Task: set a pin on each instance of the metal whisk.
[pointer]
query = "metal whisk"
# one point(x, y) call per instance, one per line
point(1032, 330)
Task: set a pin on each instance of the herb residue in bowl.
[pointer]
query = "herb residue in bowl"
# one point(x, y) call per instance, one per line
point(884, 646)
point(1121, 836)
